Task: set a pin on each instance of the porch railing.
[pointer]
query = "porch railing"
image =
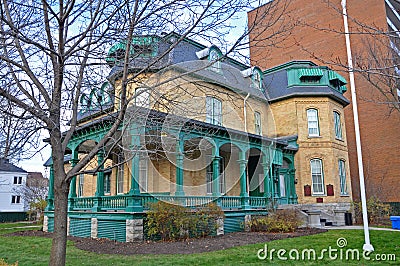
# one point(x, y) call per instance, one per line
point(121, 202)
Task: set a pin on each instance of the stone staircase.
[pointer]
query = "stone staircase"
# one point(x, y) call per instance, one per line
point(319, 216)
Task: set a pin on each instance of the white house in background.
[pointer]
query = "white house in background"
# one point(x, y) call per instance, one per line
point(11, 178)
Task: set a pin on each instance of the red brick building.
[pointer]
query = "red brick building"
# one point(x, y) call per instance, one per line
point(318, 35)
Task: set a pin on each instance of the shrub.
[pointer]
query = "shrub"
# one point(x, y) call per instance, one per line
point(3, 263)
point(378, 212)
point(173, 222)
point(280, 221)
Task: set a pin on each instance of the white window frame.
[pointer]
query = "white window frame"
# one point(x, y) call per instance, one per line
point(81, 184)
point(143, 174)
point(142, 97)
point(16, 199)
point(337, 125)
point(342, 177)
point(107, 183)
point(257, 79)
point(317, 176)
point(120, 174)
point(17, 180)
point(313, 122)
point(214, 56)
point(213, 111)
point(257, 123)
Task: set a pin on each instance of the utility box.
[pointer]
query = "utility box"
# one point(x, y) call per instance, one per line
point(395, 222)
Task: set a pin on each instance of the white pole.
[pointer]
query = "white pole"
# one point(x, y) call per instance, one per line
point(367, 246)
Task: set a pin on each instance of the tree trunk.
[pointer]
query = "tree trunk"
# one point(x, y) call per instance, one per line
point(59, 245)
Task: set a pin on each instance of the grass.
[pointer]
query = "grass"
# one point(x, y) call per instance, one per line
point(36, 251)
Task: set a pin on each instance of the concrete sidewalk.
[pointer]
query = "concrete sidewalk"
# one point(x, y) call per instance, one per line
point(360, 227)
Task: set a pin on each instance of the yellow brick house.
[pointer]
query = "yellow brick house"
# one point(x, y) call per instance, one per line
point(201, 128)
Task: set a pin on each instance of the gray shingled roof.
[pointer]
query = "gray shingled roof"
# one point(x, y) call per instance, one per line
point(6, 166)
point(277, 88)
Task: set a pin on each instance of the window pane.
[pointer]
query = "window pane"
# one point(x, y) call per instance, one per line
point(142, 98)
point(209, 108)
point(120, 174)
point(209, 176)
point(143, 174)
point(317, 176)
point(342, 177)
point(213, 111)
point(312, 119)
point(80, 187)
point(217, 112)
point(107, 183)
point(338, 127)
point(282, 185)
point(214, 56)
point(257, 122)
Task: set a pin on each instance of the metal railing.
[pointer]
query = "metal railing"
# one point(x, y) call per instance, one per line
point(121, 202)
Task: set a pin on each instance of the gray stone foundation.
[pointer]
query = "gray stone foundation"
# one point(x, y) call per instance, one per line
point(93, 228)
point(46, 224)
point(134, 230)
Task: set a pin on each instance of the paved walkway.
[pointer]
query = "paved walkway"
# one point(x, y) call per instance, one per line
point(360, 227)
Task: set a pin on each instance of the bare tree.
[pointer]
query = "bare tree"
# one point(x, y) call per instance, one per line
point(52, 53)
point(34, 193)
point(19, 132)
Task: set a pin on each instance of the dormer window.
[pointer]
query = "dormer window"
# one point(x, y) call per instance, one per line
point(310, 75)
point(214, 56)
point(257, 78)
point(337, 81)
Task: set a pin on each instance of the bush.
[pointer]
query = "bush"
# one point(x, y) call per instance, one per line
point(173, 222)
point(3, 263)
point(280, 221)
point(378, 212)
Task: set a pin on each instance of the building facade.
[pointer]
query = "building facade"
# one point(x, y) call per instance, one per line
point(12, 204)
point(307, 100)
point(200, 129)
point(319, 36)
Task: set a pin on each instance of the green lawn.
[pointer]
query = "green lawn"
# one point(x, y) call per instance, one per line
point(35, 251)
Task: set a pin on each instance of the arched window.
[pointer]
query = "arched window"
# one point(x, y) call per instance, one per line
point(214, 56)
point(257, 123)
point(317, 177)
point(257, 78)
point(312, 120)
point(338, 125)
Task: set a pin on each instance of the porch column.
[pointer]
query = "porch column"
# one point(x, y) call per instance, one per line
point(243, 174)
point(100, 175)
point(135, 190)
point(135, 148)
point(271, 182)
point(265, 165)
point(216, 174)
point(72, 188)
point(50, 195)
point(179, 168)
point(134, 201)
point(243, 182)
